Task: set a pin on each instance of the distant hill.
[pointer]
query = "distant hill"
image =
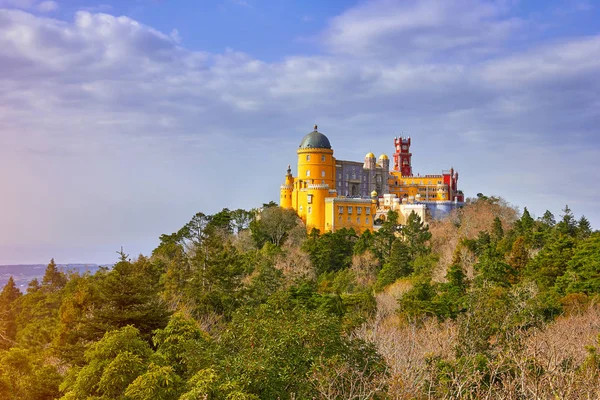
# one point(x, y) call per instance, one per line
point(23, 274)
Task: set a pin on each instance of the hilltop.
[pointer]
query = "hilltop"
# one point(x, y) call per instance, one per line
point(488, 302)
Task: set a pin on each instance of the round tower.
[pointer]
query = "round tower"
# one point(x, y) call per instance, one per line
point(287, 190)
point(316, 164)
point(315, 206)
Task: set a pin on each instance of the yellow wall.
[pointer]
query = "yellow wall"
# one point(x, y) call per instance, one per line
point(315, 207)
point(316, 166)
point(427, 186)
point(285, 197)
point(357, 215)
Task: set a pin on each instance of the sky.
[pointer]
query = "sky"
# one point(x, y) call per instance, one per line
point(119, 120)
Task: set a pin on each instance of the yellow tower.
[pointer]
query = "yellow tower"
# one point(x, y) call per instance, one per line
point(315, 180)
point(316, 164)
point(287, 190)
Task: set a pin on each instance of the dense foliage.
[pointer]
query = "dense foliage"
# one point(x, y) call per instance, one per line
point(248, 305)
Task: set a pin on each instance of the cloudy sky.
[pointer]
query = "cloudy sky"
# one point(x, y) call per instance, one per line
point(120, 120)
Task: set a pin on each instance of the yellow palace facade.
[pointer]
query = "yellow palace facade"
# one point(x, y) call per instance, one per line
point(313, 195)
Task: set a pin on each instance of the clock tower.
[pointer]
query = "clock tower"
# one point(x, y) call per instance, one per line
point(402, 156)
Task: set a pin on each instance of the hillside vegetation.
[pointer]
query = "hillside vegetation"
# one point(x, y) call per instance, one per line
point(488, 303)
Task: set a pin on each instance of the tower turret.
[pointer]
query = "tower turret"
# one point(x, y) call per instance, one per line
point(402, 156)
point(384, 161)
point(287, 190)
point(370, 161)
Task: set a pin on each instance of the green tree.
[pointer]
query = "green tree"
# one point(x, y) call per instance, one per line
point(519, 256)
point(273, 224)
point(417, 235)
point(568, 224)
point(157, 383)
point(8, 313)
point(551, 261)
point(217, 272)
point(53, 279)
point(269, 350)
point(241, 219)
point(583, 269)
point(491, 267)
point(111, 365)
point(364, 242)
point(183, 345)
point(497, 230)
point(418, 301)
point(331, 251)
point(129, 294)
point(584, 228)
point(385, 236)
point(399, 265)
point(24, 375)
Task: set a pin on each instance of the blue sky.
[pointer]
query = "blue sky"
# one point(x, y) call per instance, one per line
point(120, 120)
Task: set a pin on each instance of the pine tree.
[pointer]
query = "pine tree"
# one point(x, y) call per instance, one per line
point(54, 279)
point(584, 228)
point(519, 255)
point(8, 313)
point(416, 234)
point(568, 225)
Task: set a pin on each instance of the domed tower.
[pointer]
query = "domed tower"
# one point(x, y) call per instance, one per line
point(316, 178)
point(315, 159)
point(370, 161)
point(384, 160)
point(287, 190)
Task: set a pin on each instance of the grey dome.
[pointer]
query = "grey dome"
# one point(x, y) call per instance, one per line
point(315, 140)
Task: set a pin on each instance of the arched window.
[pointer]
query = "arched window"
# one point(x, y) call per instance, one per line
point(307, 172)
point(323, 174)
point(308, 157)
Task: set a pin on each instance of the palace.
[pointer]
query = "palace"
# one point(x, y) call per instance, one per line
point(330, 194)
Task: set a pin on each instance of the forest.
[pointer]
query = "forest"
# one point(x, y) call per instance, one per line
point(488, 303)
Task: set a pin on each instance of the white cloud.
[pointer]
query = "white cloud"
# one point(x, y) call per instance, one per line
point(47, 6)
point(425, 28)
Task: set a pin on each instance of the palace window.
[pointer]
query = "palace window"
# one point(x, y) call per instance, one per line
point(308, 157)
point(358, 220)
point(349, 210)
point(322, 174)
point(309, 209)
point(340, 176)
point(323, 158)
point(367, 210)
point(310, 198)
point(340, 210)
point(300, 208)
point(307, 172)
point(359, 210)
point(367, 220)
